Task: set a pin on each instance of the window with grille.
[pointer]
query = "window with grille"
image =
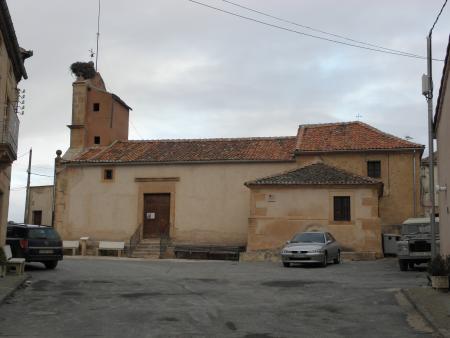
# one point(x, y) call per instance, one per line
point(342, 208)
point(374, 169)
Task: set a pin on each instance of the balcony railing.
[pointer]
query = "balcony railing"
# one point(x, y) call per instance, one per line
point(9, 134)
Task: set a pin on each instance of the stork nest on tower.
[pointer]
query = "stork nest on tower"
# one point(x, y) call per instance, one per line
point(83, 69)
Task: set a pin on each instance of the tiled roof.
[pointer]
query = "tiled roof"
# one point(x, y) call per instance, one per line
point(348, 136)
point(221, 150)
point(318, 173)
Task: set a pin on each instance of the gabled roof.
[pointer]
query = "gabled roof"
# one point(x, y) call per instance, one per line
point(315, 174)
point(347, 136)
point(443, 88)
point(261, 149)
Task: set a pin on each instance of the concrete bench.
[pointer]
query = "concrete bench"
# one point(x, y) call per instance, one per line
point(17, 263)
point(111, 246)
point(71, 245)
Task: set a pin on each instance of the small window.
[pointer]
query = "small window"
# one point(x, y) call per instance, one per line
point(37, 217)
point(96, 107)
point(108, 174)
point(96, 139)
point(374, 169)
point(342, 208)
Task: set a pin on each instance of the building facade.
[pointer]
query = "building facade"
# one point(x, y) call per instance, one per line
point(194, 192)
point(40, 208)
point(12, 70)
point(442, 131)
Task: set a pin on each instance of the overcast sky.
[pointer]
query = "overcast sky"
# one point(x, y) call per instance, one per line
point(192, 72)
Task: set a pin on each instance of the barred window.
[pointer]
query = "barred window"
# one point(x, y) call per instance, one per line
point(342, 208)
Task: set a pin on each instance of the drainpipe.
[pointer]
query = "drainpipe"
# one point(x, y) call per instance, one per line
point(414, 184)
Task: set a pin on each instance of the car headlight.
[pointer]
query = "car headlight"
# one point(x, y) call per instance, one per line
point(285, 251)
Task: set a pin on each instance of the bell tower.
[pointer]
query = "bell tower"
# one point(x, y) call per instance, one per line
point(98, 117)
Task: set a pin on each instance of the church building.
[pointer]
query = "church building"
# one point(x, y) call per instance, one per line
point(346, 178)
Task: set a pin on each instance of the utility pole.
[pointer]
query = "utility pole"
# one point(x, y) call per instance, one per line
point(427, 91)
point(429, 96)
point(27, 198)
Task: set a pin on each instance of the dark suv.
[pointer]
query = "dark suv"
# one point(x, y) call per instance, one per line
point(35, 243)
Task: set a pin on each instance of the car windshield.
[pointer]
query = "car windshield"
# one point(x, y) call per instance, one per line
point(418, 228)
point(309, 237)
point(43, 233)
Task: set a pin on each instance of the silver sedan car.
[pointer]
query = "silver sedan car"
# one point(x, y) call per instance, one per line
point(311, 247)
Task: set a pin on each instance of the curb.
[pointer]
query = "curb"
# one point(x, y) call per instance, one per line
point(9, 293)
point(427, 317)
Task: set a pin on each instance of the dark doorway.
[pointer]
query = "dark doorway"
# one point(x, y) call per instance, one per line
point(156, 215)
point(37, 217)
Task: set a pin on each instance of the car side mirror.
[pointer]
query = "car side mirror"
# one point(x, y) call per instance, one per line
point(329, 241)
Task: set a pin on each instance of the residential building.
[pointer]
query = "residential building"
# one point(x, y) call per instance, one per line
point(12, 70)
point(193, 191)
point(442, 132)
point(40, 208)
point(425, 184)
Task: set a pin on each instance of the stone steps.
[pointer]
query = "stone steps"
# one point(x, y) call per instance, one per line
point(147, 248)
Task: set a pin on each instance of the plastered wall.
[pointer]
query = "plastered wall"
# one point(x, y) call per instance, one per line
point(277, 214)
point(398, 202)
point(209, 202)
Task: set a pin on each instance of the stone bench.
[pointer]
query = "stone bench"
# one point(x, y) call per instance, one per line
point(71, 245)
point(209, 251)
point(10, 262)
point(111, 246)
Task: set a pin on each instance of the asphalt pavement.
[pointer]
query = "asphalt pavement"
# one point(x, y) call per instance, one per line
point(180, 298)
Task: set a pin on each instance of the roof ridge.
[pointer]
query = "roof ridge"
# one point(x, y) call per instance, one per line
point(262, 138)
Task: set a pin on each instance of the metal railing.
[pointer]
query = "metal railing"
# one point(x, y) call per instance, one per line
point(9, 131)
point(135, 239)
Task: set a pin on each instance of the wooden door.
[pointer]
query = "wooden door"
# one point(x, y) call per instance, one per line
point(156, 215)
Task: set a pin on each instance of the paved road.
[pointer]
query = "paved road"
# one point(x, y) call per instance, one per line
point(110, 298)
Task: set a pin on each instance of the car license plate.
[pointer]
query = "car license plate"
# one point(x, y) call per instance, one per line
point(426, 254)
point(46, 251)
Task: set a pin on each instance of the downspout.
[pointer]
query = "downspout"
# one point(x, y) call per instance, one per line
point(414, 184)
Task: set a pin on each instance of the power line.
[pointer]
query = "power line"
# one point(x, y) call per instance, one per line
point(437, 18)
point(135, 129)
point(307, 34)
point(41, 175)
point(319, 30)
point(18, 188)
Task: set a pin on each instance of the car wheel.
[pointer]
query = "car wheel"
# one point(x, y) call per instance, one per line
point(325, 260)
point(50, 264)
point(286, 264)
point(337, 260)
point(403, 264)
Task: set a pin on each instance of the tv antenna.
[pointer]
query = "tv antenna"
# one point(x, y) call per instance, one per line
point(98, 36)
point(358, 116)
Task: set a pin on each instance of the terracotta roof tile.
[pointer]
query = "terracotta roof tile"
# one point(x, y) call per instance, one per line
point(348, 136)
point(238, 149)
point(318, 173)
